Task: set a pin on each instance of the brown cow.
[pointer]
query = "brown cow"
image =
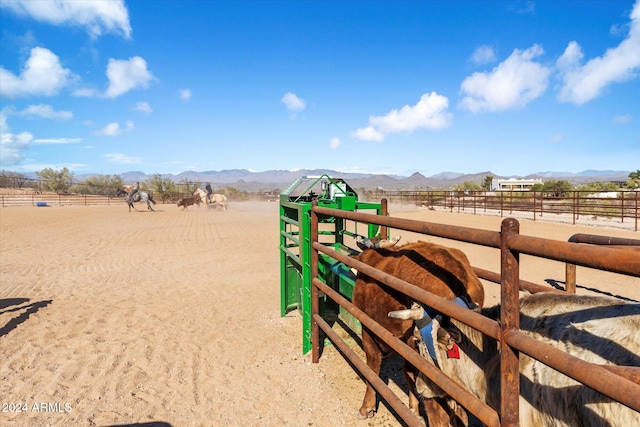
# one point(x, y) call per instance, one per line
point(188, 201)
point(443, 271)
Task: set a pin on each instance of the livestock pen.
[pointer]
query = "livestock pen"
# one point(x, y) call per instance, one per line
point(614, 382)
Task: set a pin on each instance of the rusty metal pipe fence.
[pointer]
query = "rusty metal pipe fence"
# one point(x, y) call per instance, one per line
point(625, 206)
point(511, 340)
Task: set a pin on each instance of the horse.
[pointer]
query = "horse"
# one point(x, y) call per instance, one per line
point(219, 200)
point(139, 196)
point(215, 200)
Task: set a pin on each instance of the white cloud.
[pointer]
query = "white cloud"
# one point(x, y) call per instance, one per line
point(556, 138)
point(98, 17)
point(42, 75)
point(12, 146)
point(522, 7)
point(85, 93)
point(293, 102)
point(122, 158)
point(114, 129)
point(483, 55)
point(47, 112)
point(143, 106)
point(511, 84)
point(185, 94)
point(335, 143)
point(125, 75)
point(368, 134)
point(582, 83)
point(622, 119)
point(430, 112)
point(57, 140)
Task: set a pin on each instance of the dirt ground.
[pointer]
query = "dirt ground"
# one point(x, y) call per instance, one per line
point(172, 318)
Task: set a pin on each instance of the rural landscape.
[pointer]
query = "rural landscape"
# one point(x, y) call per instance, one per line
point(352, 213)
point(112, 317)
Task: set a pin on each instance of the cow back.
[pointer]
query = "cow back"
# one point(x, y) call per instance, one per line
point(443, 271)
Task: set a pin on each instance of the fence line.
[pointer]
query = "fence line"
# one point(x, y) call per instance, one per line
point(625, 206)
point(7, 200)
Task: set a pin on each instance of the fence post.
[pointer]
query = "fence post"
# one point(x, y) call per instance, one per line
point(570, 278)
point(511, 202)
point(510, 321)
point(315, 306)
point(384, 211)
point(474, 201)
point(573, 206)
point(622, 209)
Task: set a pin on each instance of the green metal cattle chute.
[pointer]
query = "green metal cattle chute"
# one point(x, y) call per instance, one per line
point(295, 246)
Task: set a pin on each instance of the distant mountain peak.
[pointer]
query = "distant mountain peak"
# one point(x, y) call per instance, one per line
point(273, 180)
point(447, 175)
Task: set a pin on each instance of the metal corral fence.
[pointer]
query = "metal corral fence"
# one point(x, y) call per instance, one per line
point(48, 199)
point(623, 205)
point(609, 380)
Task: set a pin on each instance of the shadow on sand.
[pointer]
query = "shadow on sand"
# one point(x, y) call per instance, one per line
point(10, 305)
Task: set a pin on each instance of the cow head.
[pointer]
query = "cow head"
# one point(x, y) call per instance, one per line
point(436, 340)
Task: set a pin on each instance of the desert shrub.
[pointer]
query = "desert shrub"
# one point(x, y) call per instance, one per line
point(58, 181)
point(163, 187)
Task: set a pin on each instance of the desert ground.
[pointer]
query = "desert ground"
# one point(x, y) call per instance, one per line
point(172, 318)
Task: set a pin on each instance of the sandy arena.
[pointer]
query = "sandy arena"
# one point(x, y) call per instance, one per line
point(172, 318)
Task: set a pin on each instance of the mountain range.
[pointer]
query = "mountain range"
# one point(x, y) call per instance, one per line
point(275, 180)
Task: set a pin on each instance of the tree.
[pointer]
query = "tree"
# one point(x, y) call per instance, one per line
point(57, 181)
point(537, 187)
point(105, 185)
point(12, 179)
point(634, 180)
point(557, 188)
point(486, 184)
point(162, 186)
point(190, 186)
point(467, 186)
point(598, 187)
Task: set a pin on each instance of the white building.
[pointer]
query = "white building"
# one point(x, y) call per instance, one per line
point(513, 184)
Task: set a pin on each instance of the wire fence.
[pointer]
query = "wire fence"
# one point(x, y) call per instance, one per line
point(619, 206)
point(22, 191)
point(622, 206)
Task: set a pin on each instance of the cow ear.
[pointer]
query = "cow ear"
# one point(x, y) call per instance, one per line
point(447, 336)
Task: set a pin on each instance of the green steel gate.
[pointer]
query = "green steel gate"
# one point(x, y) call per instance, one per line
point(295, 246)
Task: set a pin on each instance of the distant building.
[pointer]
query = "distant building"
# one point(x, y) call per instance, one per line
point(513, 184)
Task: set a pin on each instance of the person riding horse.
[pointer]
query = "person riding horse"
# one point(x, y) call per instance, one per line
point(209, 192)
point(134, 189)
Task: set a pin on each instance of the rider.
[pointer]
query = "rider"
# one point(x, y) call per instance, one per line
point(209, 191)
point(134, 189)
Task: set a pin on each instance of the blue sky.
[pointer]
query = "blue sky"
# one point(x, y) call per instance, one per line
point(165, 86)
